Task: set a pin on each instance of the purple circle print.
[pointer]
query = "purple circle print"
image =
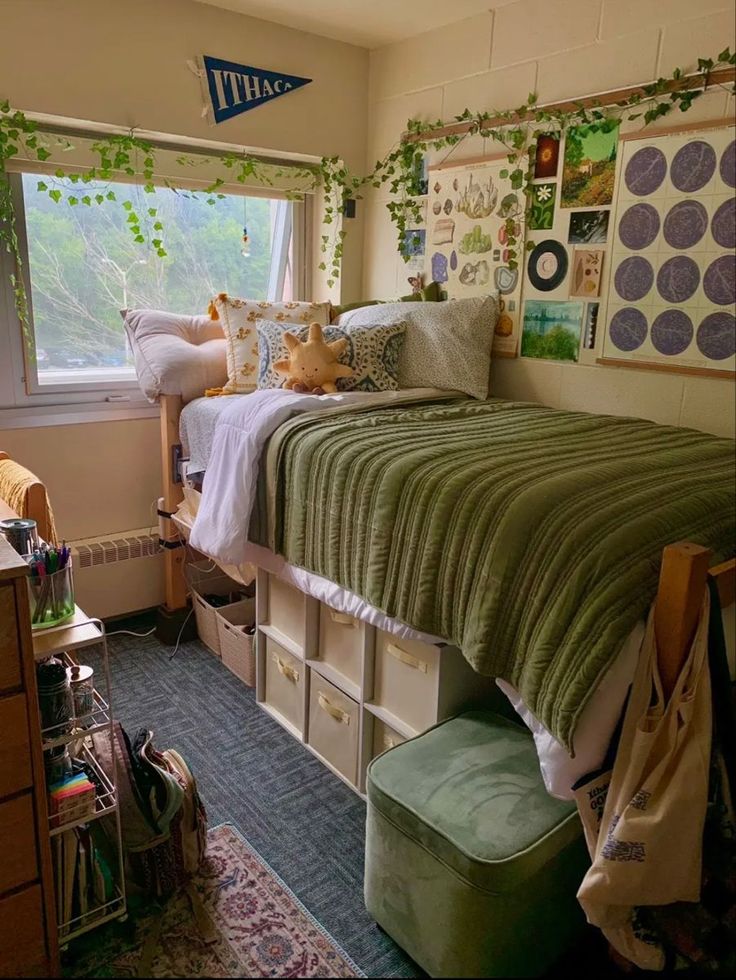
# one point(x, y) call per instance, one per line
point(634, 278)
point(672, 332)
point(719, 281)
point(685, 224)
point(716, 336)
point(728, 165)
point(645, 171)
point(693, 166)
point(628, 328)
point(678, 279)
point(723, 225)
point(639, 226)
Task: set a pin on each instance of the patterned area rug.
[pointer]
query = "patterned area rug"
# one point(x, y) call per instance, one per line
point(260, 928)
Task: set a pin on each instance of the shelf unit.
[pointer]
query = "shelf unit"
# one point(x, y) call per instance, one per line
point(64, 642)
point(293, 642)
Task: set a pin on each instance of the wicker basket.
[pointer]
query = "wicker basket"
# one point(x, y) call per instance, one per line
point(235, 625)
point(205, 579)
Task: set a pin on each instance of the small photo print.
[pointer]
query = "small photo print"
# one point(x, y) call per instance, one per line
point(551, 330)
point(414, 241)
point(547, 156)
point(591, 326)
point(586, 272)
point(588, 227)
point(589, 165)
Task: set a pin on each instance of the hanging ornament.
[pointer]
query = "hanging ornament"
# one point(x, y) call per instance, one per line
point(245, 248)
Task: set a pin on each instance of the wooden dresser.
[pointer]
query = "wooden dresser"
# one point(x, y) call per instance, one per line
point(28, 944)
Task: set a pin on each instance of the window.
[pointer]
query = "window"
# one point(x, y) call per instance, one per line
point(83, 267)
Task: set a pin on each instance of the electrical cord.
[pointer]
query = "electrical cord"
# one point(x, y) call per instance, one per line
point(131, 632)
point(181, 630)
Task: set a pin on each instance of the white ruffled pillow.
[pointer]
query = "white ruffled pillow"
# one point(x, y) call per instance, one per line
point(447, 345)
point(175, 354)
point(238, 318)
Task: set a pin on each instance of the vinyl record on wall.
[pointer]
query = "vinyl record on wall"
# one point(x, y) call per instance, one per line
point(547, 266)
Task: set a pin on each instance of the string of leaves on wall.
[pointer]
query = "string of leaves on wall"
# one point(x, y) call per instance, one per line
point(130, 157)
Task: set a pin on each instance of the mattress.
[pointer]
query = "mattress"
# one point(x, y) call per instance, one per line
point(197, 429)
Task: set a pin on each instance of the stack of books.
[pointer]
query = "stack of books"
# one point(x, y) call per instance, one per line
point(71, 799)
point(84, 875)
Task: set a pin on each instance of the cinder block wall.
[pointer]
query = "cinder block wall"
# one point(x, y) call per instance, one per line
point(560, 49)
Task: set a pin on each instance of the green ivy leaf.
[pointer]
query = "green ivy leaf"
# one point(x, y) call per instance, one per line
point(41, 186)
point(87, 200)
point(42, 153)
point(55, 196)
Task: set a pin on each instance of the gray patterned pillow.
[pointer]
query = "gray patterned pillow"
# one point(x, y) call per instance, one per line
point(448, 344)
point(372, 353)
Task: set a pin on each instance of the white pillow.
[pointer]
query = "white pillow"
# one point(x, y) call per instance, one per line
point(447, 345)
point(238, 318)
point(175, 354)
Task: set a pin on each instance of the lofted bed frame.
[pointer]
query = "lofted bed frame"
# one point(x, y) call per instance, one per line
point(682, 581)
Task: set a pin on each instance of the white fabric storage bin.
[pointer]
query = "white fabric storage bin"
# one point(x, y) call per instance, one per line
point(406, 679)
point(285, 679)
point(384, 737)
point(334, 720)
point(287, 610)
point(205, 578)
point(237, 647)
point(341, 642)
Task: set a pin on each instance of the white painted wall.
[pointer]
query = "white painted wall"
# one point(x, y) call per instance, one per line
point(561, 49)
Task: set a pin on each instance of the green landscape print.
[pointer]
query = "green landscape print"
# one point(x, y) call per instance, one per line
point(590, 164)
point(551, 330)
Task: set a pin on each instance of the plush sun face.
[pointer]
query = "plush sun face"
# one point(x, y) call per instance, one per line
point(313, 364)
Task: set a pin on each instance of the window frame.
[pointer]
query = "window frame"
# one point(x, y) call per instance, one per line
point(25, 400)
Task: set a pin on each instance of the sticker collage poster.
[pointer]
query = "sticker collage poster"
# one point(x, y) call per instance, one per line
point(466, 239)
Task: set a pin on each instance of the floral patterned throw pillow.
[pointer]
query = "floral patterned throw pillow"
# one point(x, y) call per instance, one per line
point(372, 353)
point(238, 318)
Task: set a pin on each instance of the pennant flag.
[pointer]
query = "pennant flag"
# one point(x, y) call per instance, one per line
point(237, 88)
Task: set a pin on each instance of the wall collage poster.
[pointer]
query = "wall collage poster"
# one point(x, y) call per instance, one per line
point(672, 288)
point(629, 247)
point(466, 241)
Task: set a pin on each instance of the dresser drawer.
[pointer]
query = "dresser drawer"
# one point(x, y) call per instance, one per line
point(15, 750)
point(334, 720)
point(19, 865)
point(406, 679)
point(10, 675)
point(22, 940)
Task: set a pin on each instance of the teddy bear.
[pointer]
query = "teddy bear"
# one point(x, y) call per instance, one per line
point(312, 365)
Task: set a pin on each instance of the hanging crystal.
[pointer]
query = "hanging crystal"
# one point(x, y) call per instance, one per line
point(245, 250)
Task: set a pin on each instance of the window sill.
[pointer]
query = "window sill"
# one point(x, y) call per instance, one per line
point(41, 416)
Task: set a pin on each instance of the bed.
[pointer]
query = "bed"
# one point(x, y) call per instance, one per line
point(551, 675)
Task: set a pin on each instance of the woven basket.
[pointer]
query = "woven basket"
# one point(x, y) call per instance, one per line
point(237, 639)
point(204, 580)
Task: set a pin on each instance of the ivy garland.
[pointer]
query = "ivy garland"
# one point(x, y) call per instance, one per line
point(517, 131)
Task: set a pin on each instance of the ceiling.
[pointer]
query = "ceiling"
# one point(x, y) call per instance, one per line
point(367, 23)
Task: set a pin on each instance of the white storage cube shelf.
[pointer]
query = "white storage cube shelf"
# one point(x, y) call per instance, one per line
point(347, 690)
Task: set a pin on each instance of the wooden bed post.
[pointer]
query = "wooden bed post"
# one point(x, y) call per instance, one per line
point(176, 590)
point(682, 582)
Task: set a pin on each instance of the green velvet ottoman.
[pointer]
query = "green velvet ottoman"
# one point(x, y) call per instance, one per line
point(471, 866)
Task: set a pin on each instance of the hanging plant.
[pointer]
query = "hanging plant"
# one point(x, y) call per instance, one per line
point(129, 156)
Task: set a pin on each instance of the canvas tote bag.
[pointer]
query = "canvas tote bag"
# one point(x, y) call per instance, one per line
point(644, 820)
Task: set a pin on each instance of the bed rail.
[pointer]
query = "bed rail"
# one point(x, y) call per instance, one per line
point(682, 582)
point(173, 494)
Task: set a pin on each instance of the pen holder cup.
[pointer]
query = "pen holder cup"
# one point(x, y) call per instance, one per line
point(51, 598)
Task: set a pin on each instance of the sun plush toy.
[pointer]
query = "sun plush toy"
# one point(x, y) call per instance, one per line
point(312, 365)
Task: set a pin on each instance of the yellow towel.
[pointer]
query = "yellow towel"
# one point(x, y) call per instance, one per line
point(26, 495)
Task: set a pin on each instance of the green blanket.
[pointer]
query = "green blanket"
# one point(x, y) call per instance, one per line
point(530, 537)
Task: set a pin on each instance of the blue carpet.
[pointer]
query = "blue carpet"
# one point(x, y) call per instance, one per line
point(304, 821)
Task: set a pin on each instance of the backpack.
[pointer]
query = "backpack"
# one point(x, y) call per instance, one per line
point(163, 820)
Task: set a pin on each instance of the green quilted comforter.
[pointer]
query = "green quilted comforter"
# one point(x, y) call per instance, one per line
point(530, 537)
